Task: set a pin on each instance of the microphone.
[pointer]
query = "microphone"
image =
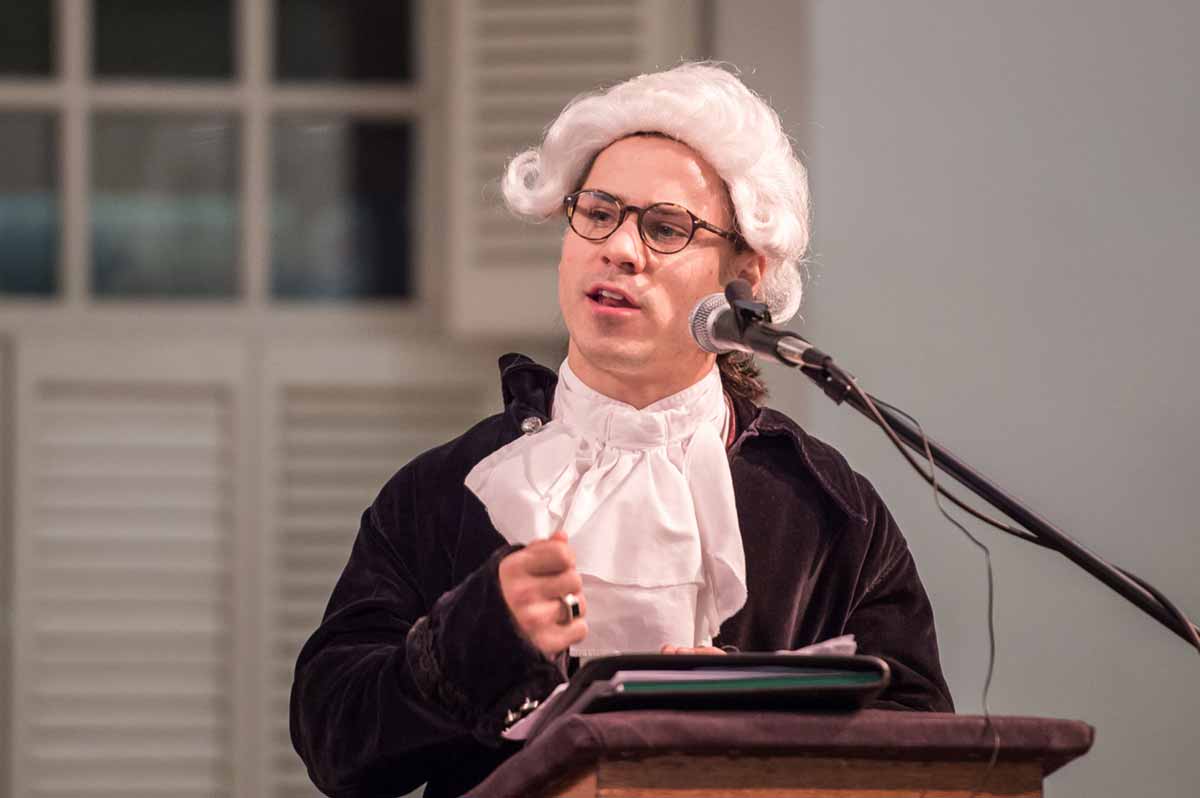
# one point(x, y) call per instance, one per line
point(714, 327)
point(734, 322)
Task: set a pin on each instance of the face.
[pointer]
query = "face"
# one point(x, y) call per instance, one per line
point(639, 349)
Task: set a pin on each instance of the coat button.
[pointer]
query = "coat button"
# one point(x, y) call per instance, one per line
point(514, 715)
point(531, 425)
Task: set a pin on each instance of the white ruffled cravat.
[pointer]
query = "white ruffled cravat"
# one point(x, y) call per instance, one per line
point(646, 500)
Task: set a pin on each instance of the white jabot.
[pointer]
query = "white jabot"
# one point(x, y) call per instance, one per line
point(645, 498)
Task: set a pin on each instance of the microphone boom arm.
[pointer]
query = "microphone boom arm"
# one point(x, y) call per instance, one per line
point(736, 321)
point(837, 385)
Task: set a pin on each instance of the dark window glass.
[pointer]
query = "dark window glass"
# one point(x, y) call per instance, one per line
point(28, 204)
point(26, 37)
point(163, 38)
point(347, 40)
point(164, 205)
point(340, 212)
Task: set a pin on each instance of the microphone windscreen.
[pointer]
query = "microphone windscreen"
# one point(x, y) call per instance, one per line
point(738, 289)
point(702, 319)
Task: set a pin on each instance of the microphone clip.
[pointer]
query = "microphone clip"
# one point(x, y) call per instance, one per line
point(747, 313)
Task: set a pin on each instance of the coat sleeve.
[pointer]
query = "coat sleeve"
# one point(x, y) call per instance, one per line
point(398, 676)
point(892, 618)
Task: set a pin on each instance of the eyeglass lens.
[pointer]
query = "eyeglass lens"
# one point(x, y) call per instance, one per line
point(665, 227)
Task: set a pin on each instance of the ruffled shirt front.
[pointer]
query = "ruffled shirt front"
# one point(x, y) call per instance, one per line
point(646, 500)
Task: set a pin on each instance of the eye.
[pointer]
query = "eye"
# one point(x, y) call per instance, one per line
point(599, 214)
point(663, 231)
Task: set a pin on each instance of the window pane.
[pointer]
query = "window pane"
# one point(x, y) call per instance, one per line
point(28, 204)
point(164, 205)
point(340, 213)
point(344, 40)
point(26, 37)
point(163, 38)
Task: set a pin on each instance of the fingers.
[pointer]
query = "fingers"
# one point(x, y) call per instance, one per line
point(547, 612)
point(523, 585)
point(543, 622)
point(548, 557)
point(582, 599)
point(537, 615)
point(533, 581)
point(555, 638)
point(553, 587)
point(554, 610)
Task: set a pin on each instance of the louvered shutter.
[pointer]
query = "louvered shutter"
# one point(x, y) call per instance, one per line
point(334, 435)
point(514, 65)
point(125, 525)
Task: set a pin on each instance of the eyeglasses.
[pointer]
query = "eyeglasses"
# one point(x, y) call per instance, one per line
point(664, 226)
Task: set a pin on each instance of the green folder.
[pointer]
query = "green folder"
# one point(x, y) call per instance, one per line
point(703, 681)
point(847, 679)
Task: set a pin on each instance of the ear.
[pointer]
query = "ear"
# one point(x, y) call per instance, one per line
point(751, 267)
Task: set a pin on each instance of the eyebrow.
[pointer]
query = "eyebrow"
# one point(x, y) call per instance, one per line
point(625, 202)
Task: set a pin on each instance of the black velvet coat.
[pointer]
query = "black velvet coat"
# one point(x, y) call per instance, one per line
point(417, 661)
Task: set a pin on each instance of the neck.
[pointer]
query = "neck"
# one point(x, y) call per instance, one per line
point(634, 387)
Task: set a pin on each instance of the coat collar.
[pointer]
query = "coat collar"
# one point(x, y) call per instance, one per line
point(528, 391)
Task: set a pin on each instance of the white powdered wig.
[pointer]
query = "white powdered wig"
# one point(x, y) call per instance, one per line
point(709, 109)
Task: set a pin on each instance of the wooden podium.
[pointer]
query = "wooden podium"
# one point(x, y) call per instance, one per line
point(657, 754)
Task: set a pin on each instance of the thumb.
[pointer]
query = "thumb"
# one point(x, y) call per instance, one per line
point(559, 535)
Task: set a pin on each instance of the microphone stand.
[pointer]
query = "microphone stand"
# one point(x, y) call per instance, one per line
point(837, 385)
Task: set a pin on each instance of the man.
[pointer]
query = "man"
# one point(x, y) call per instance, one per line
point(639, 500)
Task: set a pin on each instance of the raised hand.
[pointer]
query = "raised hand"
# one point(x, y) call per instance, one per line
point(534, 581)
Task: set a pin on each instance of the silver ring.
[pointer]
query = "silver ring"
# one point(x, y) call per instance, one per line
point(570, 604)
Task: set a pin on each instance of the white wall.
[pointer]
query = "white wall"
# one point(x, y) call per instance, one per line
point(1007, 205)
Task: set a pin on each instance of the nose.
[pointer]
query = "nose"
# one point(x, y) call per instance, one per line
point(625, 248)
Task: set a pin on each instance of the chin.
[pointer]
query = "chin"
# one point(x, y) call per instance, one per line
point(617, 357)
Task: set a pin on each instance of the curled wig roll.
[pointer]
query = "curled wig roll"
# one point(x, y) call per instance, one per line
point(709, 109)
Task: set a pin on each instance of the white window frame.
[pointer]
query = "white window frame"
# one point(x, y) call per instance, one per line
point(238, 335)
point(73, 97)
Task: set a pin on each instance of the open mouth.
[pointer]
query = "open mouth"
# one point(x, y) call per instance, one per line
point(611, 299)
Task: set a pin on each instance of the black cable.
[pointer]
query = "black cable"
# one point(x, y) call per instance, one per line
point(1028, 537)
point(938, 492)
point(1167, 605)
point(871, 401)
point(1193, 632)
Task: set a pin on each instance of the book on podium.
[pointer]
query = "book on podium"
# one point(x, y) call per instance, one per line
point(708, 682)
